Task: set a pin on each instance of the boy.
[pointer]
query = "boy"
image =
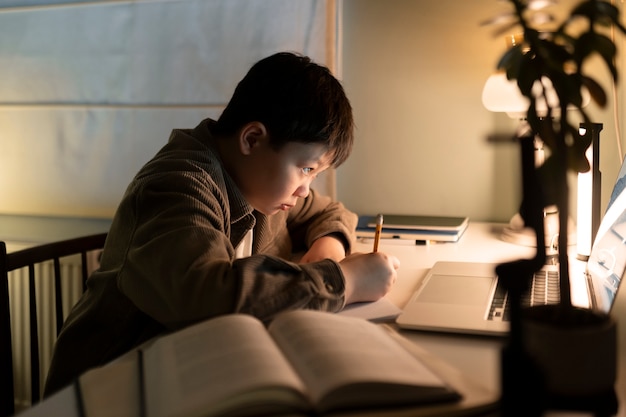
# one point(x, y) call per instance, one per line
point(209, 225)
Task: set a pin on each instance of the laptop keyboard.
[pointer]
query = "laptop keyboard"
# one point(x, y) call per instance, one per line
point(544, 290)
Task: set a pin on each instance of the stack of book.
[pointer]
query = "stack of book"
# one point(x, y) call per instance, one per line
point(414, 227)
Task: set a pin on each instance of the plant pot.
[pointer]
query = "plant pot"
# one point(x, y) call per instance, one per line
point(574, 349)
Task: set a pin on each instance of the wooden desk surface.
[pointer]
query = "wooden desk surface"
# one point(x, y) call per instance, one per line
point(477, 356)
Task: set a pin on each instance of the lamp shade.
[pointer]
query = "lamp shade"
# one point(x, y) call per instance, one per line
point(502, 95)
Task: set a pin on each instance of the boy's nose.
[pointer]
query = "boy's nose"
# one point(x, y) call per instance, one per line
point(302, 191)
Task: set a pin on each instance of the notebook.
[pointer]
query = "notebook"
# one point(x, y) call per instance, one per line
point(463, 297)
point(414, 227)
point(421, 222)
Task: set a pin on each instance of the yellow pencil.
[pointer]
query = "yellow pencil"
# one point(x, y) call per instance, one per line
point(379, 228)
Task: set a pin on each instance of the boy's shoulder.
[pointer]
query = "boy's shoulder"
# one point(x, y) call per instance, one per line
point(185, 158)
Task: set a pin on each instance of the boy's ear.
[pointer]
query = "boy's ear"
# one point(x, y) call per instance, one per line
point(251, 136)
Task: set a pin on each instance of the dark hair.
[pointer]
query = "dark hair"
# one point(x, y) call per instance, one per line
point(297, 100)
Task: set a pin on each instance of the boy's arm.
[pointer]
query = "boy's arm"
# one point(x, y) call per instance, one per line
point(331, 246)
point(179, 266)
point(317, 216)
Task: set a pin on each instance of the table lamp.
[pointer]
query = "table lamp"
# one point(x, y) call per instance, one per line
point(502, 95)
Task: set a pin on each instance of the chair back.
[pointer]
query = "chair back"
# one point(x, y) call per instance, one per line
point(28, 258)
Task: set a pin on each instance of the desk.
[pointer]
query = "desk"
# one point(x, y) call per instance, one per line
point(476, 356)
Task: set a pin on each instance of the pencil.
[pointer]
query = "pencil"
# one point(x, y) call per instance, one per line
point(379, 228)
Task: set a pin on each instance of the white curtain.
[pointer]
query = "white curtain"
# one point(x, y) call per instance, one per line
point(89, 91)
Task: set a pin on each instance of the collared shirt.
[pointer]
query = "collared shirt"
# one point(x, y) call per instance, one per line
point(170, 258)
point(244, 249)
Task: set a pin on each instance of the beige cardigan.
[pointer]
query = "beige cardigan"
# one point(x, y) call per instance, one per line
point(169, 259)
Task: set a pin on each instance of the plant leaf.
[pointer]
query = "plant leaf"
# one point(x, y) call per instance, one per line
point(595, 90)
point(510, 61)
point(606, 48)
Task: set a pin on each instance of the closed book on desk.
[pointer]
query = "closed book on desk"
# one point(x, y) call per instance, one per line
point(305, 362)
point(414, 227)
point(422, 222)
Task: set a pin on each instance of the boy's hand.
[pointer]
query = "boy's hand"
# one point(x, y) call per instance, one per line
point(324, 248)
point(368, 276)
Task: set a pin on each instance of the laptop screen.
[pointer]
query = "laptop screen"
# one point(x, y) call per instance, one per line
point(607, 261)
point(619, 186)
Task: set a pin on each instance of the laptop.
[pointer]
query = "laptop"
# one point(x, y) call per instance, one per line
point(464, 297)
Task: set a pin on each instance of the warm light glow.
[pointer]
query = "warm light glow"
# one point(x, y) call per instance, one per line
point(540, 4)
point(584, 206)
point(502, 95)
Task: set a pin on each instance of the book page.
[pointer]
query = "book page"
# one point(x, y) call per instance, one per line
point(118, 380)
point(224, 366)
point(381, 310)
point(61, 403)
point(348, 362)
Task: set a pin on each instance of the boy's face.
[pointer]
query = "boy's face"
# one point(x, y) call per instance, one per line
point(273, 180)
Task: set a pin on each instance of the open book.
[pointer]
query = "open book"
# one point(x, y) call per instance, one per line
point(304, 362)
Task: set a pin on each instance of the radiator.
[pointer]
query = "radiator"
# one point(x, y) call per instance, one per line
point(71, 284)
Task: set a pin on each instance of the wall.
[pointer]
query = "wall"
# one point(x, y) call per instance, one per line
point(77, 121)
point(414, 70)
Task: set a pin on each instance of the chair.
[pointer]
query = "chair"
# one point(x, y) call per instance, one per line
point(28, 258)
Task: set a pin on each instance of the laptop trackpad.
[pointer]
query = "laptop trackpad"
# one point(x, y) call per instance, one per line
point(457, 289)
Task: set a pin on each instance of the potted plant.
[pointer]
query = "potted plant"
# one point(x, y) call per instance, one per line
point(530, 382)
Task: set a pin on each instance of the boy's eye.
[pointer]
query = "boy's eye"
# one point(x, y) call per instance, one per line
point(307, 170)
